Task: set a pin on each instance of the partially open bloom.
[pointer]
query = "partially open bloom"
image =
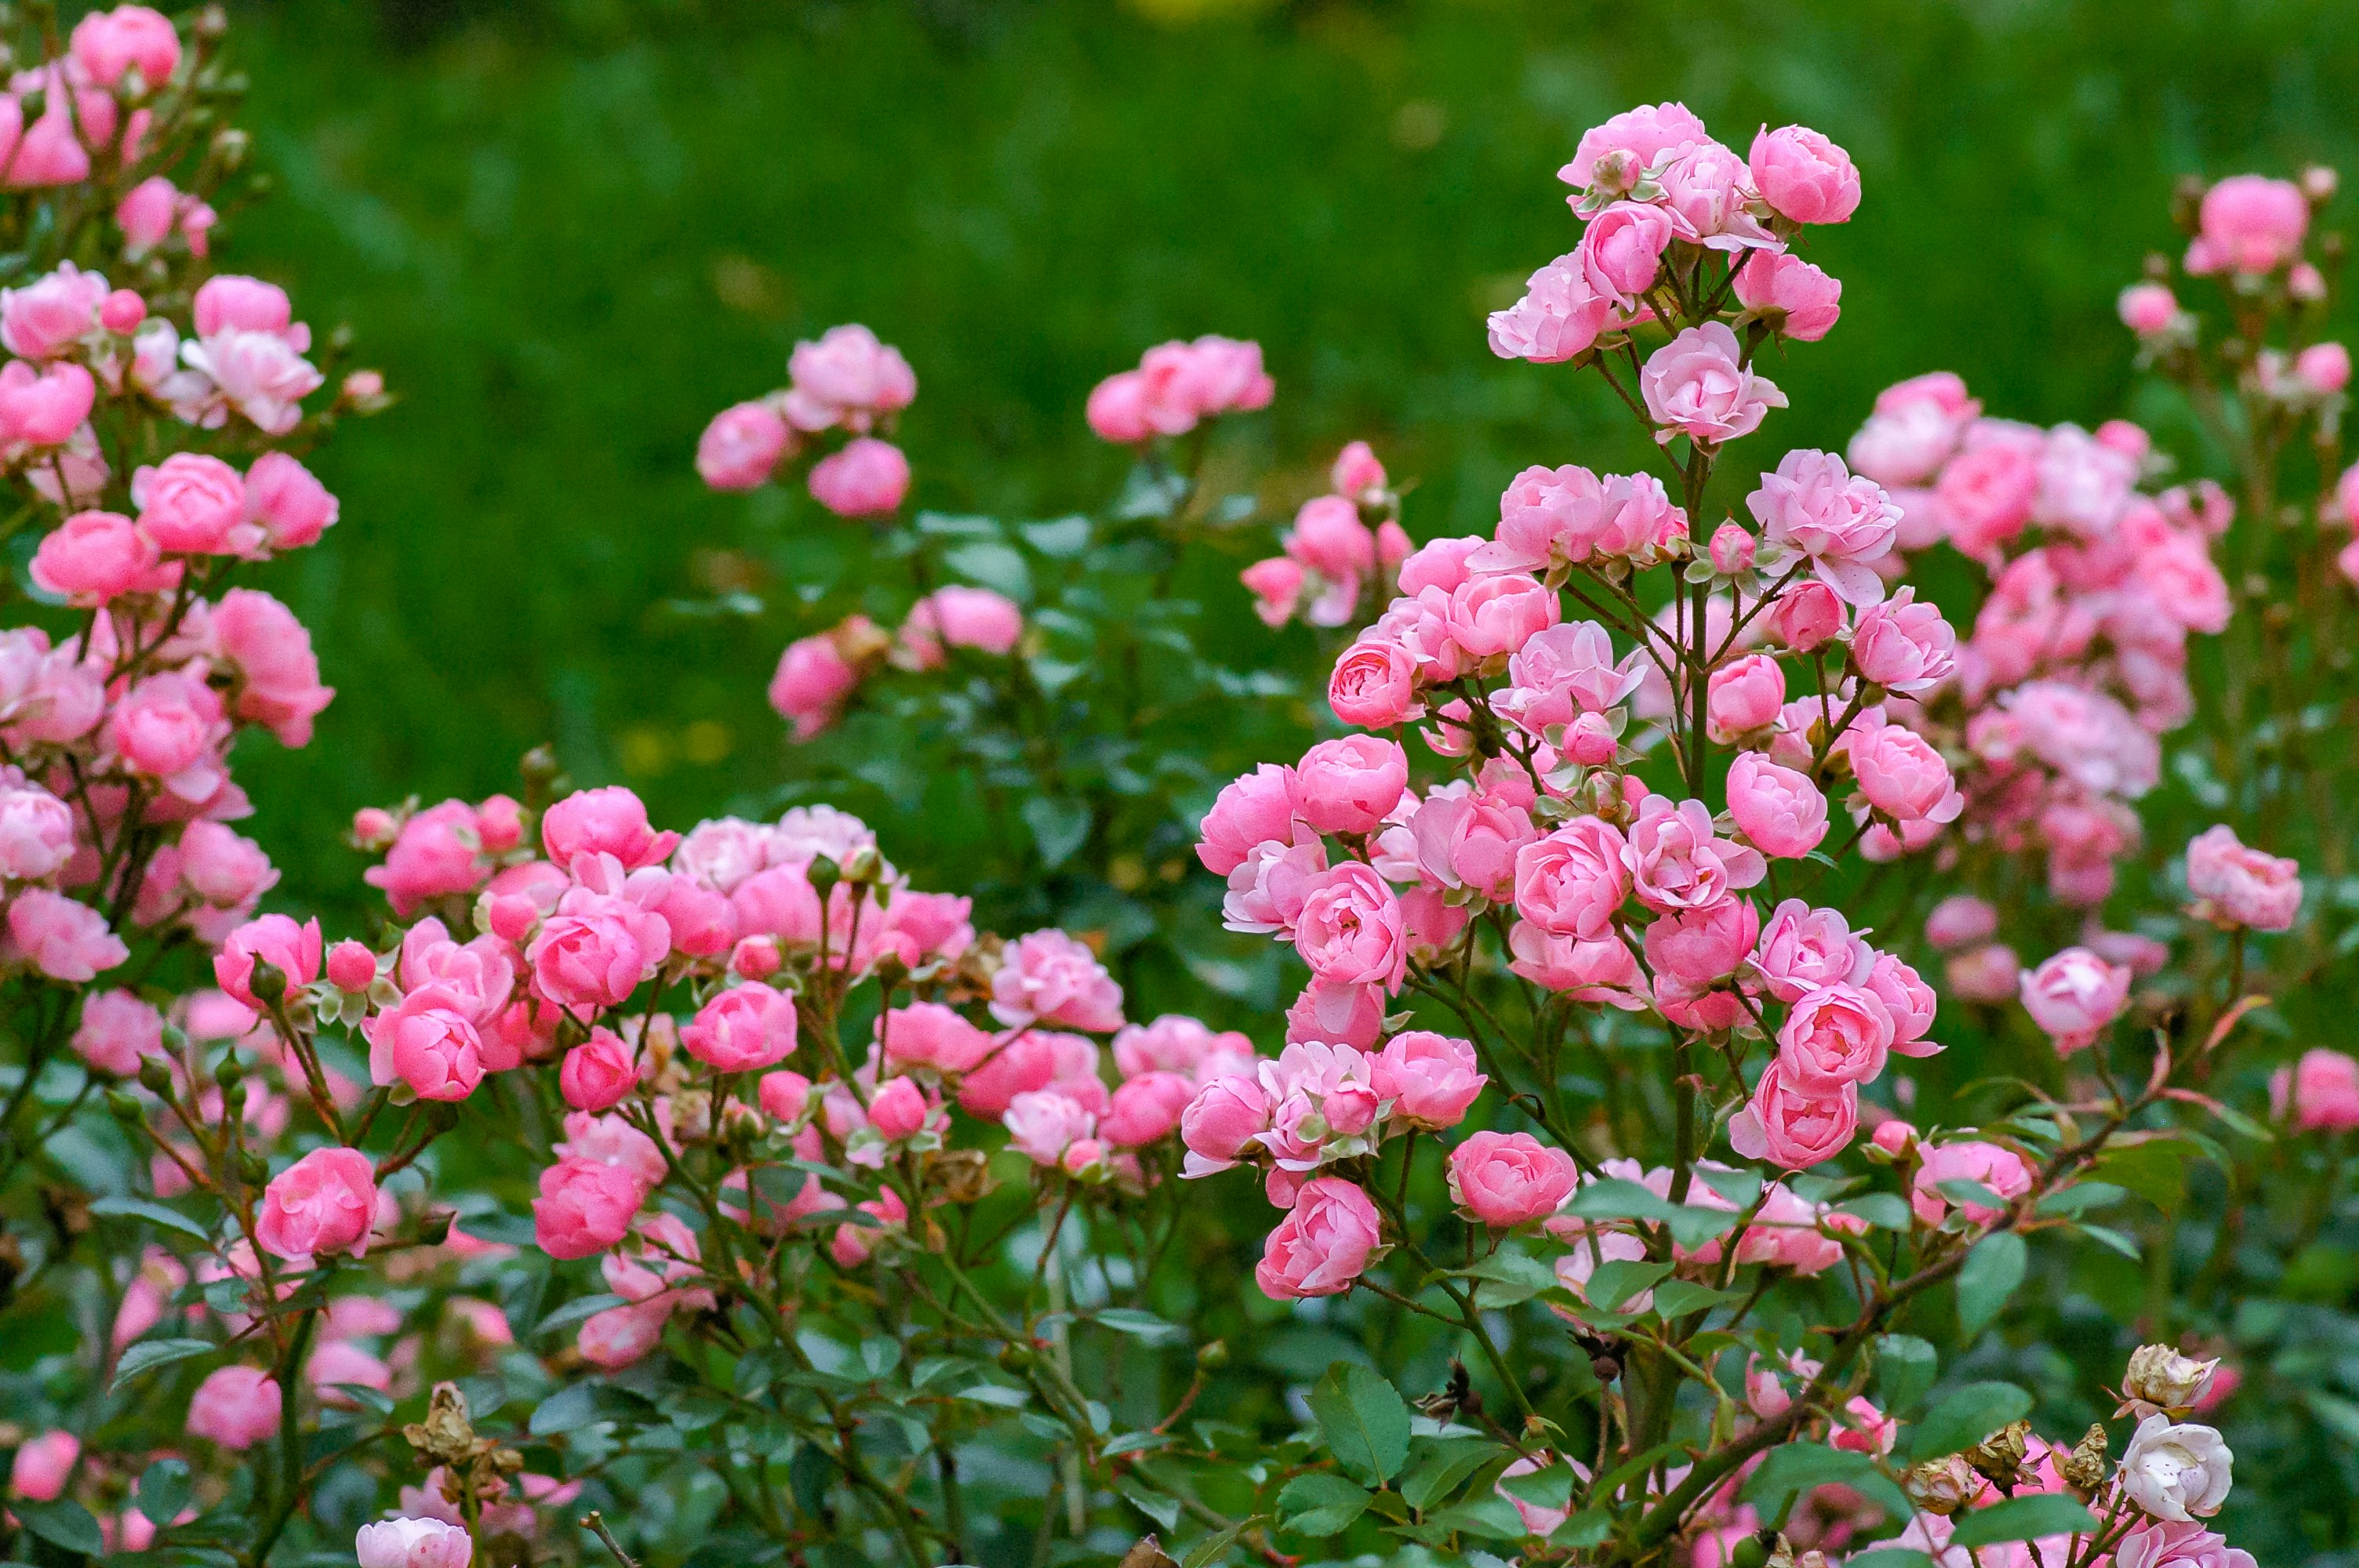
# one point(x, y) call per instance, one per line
point(1698, 386)
point(1322, 1246)
point(1510, 1179)
point(236, 1407)
point(2074, 995)
point(322, 1203)
point(412, 1544)
point(2176, 1471)
point(2243, 886)
point(1794, 1127)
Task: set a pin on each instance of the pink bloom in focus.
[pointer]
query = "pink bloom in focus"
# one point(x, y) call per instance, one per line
point(1780, 812)
point(1047, 977)
point(1804, 302)
point(1697, 948)
point(1901, 774)
point(1352, 785)
point(585, 1206)
point(1373, 684)
point(412, 1544)
point(428, 1041)
point(1559, 316)
point(193, 504)
point(742, 1030)
point(236, 1407)
point(288, 501)
point(1350, 930)
point(741, 446)
point(1223, 1120)
point(1903, 646)
point(1622, 249)
point(1510, 1179)
point(169, 726)
point(1743, 696)
point(1322, 1246)
point(599, 1073)
point(322, 1203)
point(270, 651)
point(94, 557)
point(1043, 1123)
point(1697, 385)
point(1431, 1079)
point(609, 821)
point(1573, 881)
point(1803, 176)
point(1845, 525)
point(1254, 809)
point(2073, 995)
point(2000, 1170)
point(1676, 861)
point(868, 478)
point(1807, 616)
point(2243, 886)
point(1791, 1127)
point(1616, 152)
point(1834, 1036)
point(275, 939)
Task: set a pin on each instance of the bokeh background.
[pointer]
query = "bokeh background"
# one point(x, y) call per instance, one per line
point(568, 231)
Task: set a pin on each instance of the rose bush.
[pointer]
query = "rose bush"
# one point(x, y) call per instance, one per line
point(723, 1194)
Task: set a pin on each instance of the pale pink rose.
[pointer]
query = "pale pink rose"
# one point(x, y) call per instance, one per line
point(2148, 308)
point(1259, 807)
point(259, 374)
point(1792, 1127)
point(1676, 861)
point(1698, 386)
point(429, 1042)
point(1473, 840)
point(1612, 155)
point(1322, 1244)
point(741, 445)
point(2073, 995)
point(961, 617)
point(1901, 774)
point(1910, 1001)
point(1813, 505)
point(746, 1028)
point(288, 502)
point(1047, 977)
point(1496, 615)
point(1903, 646)
point(1509, 1179)
point(784, 1096)
point(1732, 549)
point(107, 44)
point(194, 504)
point(36, 831)
point(599, 1073)
point(1834, 1036)
point(2000, 1170)
point(2247, 887)
point(1352, 785)
point(117, 1030)
point(169, 727)
point(1780, 812)
point(1708, 193)
point(1356, 471)
point(1803, 176)
point(1987, 494)
point(1622, 249)
point(2248, 223)
point(1043, 1123)
point(63, 939)
point(1743, 696)
point(1605, 970)
point(236, 1407)
point(586, 1205)
point(1431, 1079)
point(322, 1203)
point(2320, 1090)
point(868, 478)
point(94, 557)
point(2161, 1543)
point(1803, 301)
point(1573, 881)
point(1697, 948)
point(2324, 368)
point(43, 1463)
point(1961, 920)
point(1558, 317)
point(1807, 616)
point(412, 1544)
point(1564, 673)
point(1224, 1119)
point(49, 315)
point(226, 869)
point(1329, 538)
point(1351, 931)
point(847, 378)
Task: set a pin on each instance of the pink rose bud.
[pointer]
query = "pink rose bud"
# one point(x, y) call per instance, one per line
point(1591, 741)
point(868, 478)
point(899, 1109)
point(1893, 1137)
point(2148, 308)
point(1780, 811)
point(2248, 223)
point(363, 387)
point(511, 916)
point(2306, 283)
point(1731, 548)
point(1510, 1179)
point(585, 1206)
point(1807, 616)
point(122, 311)
point(1147, 1106)
point(599, 1073)
point(1322, 1244)
point(43, 1463)
point(373, 826)
point(293, 951)
point(755, 957)
point(1743, 696)
point(351, 965)
point(323, 1203)
point(2321, 1091)
point(1356, 471)
point(2324, 368)
point(1802, 176)
point(2130, 440)
point(785, 1095)
point(1117, 409)
point(236, 1407)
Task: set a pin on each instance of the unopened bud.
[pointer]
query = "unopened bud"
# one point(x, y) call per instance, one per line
point(1731, 548)
point(2084, 1469)
point(1942, 1486)
point(864, 866)
point(156, 1077)
point(823, 873)
point(2318, 183)
point(1998, 1458)
point(125, 1108)
point(229, 1070)
point(2160, 1379)
point(268, 982)
point(254, 1168)
point(1213, 1355)
point(230, 147)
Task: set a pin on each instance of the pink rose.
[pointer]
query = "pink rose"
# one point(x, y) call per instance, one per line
point(37, 832)
point(1573, 881)
point(438, 851)
point(2001, 1170)
point(1496, 615)
point(236, 1407)
point(609, 821)
point(191, 504)
point(741, 445)
point(812, 680)
point(107, 44)
point(1803, 950)
point(1550, 517)
point(1697, 948)
point(1429, 1078)
point(2248, 223)
point(1117, 409)
point(930, 1034)
point(1258, 808)
point(1835, 1036)
point(593, 958)
point(1743, 696)
point(1223, 1120)
point(2148, 308)
point(2324, 368)
point(1351, 785)
point(848, 378)
point(45, 318)
point(270, 651)
point(1611, 155)
point(1903, 646)
point(417, 1542)
point(1047, 977)
point(742, 1030)
point(1373, 684)
point(1605, 970)
point(1510, 1179)
point(961, 617)
point(586, 1205)
point(1322, 1244)
point(2073, 995)
point(1961, 920)
point(1558, 317)
point(599, 1073)
point(2246, 887)
point(2321, 1091)
point(1561, 674)
point(43, 1464)
point(1802, 301)
point(275, 939)
point(1803, 176)
point(1676, 861)
point(1473, 840)
point(428, 1041)
point(1145, 1107)
point(1807, 616)
point(1350, 930)
point(1901, 774)
point(1697, 385)
point(169, 728)
point(322, 1203)
point(2162, 1543)
point(1791, 1127)
point(1621, 252)
point(1988, 495)
point(868, 478)
point(898, 1108)
point(1814, 505)
point(117, 1030)
point(63, 939)
point(1043, 1123)
point(1908, 998)
point(94, 557)
point(1779, 811)
point(44, 407)
point(1985, 974)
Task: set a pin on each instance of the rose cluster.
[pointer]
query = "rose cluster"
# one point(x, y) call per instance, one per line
point(1177, 386)
point(847, 381)
point(1342, 543)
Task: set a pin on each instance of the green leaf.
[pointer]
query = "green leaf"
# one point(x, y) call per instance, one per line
point(1061, 538)
point(1213, 1547)
point(1490, 1516)
point(581, 1310)
point(1964, 1190)
point(155, 1213)
point(995, 565)
point(1993, 1269)
point(1163, 1511)
point(1619, 1198)
point(1365, 1423)
point(1739, 1187)
point(1796, 1467)
point(1676, 1298)
point(376, 1403)
point(1888, 1557)
point(1319, 1504)
point(2153, 1168)
point(1143, 1324)
point(1549, 1486)
point(164, 1489)
point(2106, 1235)
point(1611, 1284)
point(1507, 1278)
point(1965, 1417)
point(2082, 1197)
point(2338, 1416)
point(149, 1354)
point(1885, 1211)
point(1905, 1368)
point(880, 1353)
point(2023, 1519)
point(1450, 1461)
point(1059, 826)
point(1586, 1529)
point(572, 1406)
point(63, 1523)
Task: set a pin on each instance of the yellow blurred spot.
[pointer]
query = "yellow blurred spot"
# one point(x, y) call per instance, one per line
point(1126, 873)
point(707, 741)
point(1180, 12)
point(1418, 124)
point(748, 288)
point(647, 751)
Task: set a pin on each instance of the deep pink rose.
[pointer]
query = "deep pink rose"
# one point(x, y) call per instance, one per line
point(1352, 785)
point(1320, 1247)
point(600, 1074)
point(322, 1203)
point(586, 1205)
point(1431, 1079)
point(1258, 808)
point(1350, 930)
point(1791, 1127)
point(1697, 948)
point(1510, 1179)
point(1834, 1036)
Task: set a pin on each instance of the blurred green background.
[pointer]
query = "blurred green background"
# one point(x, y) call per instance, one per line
point(569, 232)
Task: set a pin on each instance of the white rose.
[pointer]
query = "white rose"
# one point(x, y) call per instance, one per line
point(2175, 1472)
